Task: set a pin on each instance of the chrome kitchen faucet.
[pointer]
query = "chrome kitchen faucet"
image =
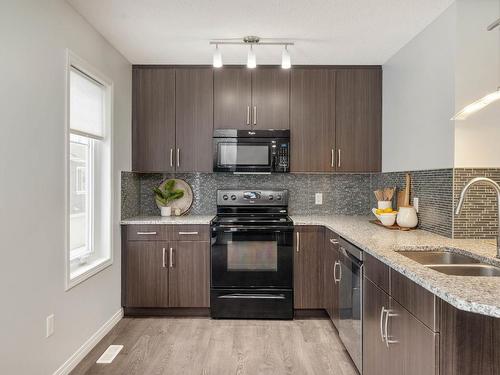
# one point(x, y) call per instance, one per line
point(495, 186)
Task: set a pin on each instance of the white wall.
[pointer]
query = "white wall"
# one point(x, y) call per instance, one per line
point(33, 37)
point(418, 100)
point(477, 139)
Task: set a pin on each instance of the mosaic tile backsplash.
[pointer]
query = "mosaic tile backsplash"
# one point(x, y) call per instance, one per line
point(479, 217)
point(434, 189)
point(351, 194)
point(342, 194)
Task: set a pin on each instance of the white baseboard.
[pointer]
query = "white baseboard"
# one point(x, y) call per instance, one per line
point(85, 349)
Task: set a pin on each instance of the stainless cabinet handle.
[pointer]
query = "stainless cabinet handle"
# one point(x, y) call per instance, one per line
point(255, 115)
point(337, 263)
point(171, 265)
point(146, 233)
point(171, 157)
point(164, 256)
point(338, 158)
point(382, 312)
point(298, 241)
point(334, 241)
point(248, 115)
point(178, 158)
point(188, 233)
point(388, 314)
point(333, 158)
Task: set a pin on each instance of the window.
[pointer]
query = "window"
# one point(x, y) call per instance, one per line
point(89, 171)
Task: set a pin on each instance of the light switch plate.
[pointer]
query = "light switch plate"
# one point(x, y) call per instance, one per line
point(49, 330)
point(318, 198)
point(415, 203)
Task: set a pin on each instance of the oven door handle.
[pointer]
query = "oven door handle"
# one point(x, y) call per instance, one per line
point(252, 296)
point(260, 229)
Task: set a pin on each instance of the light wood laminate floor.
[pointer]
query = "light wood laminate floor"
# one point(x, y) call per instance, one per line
point(202, 346)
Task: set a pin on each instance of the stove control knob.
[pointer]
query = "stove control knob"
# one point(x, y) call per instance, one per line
point(233, 197)
point(271, 197)
point(278, 197)
point(225, 197)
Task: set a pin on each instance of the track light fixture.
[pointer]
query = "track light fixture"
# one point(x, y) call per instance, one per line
point(217, 57)
point(251, 57)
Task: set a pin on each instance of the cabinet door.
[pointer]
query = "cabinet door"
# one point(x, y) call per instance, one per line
point(308, 267)
point(414, 347)
point(376, 355)
point(232, 98)
point(189, 274)
point(153, 119)
point(194, 119)
point(359, 120)
point(146, 274)
point(270, 98)
point(312, 120)
point(332, 265)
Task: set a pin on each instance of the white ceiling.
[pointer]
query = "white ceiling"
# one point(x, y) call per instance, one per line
point(325, 31)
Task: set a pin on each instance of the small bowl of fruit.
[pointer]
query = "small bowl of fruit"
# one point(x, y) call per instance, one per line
point(387, 216)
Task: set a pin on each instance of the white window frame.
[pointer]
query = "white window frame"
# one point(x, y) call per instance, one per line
point(88, 270)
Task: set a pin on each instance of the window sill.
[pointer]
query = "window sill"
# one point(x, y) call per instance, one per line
point(85, 271)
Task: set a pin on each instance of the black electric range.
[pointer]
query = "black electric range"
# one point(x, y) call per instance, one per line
point(252, 255)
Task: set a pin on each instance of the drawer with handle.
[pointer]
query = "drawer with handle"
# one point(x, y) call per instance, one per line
point(190, 232)
point(148, 232)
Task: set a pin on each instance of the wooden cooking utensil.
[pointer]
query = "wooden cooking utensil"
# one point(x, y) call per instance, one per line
point(407, 190)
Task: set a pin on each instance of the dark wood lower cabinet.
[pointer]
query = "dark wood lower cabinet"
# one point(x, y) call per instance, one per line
point(469, 343)
point(189, 276)
point(376, 355)
point(415, 348)
point(308, 267)
point(146, 275)
point(158, 275)
point(331, 266)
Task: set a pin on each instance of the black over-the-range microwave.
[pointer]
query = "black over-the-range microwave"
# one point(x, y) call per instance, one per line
point(251, 151)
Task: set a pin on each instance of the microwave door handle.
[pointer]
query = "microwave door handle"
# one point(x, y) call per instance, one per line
point(248, 115)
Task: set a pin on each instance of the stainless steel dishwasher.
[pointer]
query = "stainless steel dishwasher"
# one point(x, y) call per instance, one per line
point(351, 300)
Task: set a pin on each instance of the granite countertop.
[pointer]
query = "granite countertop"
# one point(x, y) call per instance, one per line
point(188, 219)
point(475, 294)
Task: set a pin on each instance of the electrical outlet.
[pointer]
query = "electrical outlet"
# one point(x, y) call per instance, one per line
point(415, 203)
point(318, 198)
point(50, 326)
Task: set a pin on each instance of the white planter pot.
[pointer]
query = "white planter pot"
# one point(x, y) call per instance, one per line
point(166, 211)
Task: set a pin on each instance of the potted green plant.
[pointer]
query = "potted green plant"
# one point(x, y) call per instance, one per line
point(166, 195)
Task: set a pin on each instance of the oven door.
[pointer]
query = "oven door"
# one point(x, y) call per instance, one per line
point(242, 155)
point(258, 257)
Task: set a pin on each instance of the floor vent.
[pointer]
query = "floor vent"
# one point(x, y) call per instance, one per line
point(109, 355)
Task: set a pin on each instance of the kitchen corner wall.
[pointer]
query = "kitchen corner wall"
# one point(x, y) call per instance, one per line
point(350, 194)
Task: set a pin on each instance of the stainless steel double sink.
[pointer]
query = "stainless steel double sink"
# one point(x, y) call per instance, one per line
point(451, 263)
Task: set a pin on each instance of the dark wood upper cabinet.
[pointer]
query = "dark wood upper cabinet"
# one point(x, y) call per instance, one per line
point(146, 274)
point(194, 119)
point(232, 98)
point(153, 119)
point(358, 120)
point(270, 98)
point(312, 120)
point(308, 267)
point(189, 275)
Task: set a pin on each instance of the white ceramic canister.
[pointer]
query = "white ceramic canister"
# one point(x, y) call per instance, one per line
point(384, 204)
point(407, 217)
point(166, 211)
